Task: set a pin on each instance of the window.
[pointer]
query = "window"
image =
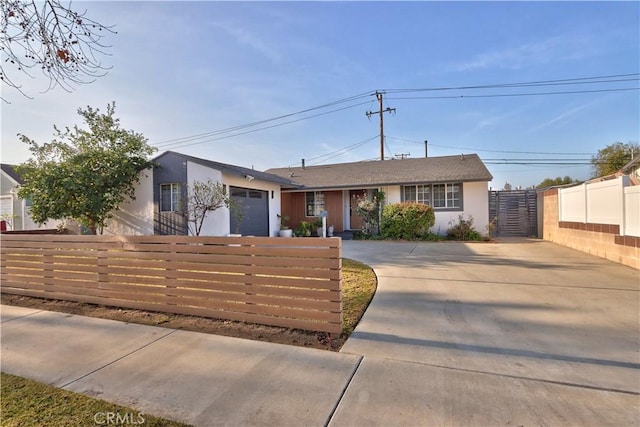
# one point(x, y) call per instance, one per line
point(169, 197)
point(439, 196)
point(314, 203)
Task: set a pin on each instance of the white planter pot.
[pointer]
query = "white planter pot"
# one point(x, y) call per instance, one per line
point(286, 233)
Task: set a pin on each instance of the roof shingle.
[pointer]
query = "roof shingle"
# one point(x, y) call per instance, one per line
point(459, 168)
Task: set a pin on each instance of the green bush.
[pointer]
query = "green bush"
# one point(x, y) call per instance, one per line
point(408, 221)
point(463, 230)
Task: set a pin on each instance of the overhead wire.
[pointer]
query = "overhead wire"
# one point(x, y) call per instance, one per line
point(252, 127)
point(492, 151)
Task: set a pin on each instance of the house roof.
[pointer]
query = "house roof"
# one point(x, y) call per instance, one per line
point(459, 168)
point(632, 164)
point(234, 170)
point(10, 170)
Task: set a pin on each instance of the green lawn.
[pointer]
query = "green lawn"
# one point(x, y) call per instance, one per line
point(358, 287)
point(30, 403)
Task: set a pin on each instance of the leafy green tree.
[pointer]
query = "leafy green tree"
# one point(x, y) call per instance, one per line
point(613, 157)
point(84, 174)
point(550, 182)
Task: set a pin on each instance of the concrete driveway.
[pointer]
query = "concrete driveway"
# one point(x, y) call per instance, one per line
point(522, 332)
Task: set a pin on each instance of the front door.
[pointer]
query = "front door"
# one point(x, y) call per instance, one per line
point(355, 221)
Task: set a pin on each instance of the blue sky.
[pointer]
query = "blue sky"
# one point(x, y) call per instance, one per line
point(188, 68)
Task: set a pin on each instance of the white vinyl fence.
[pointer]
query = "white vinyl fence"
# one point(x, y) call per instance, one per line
point(607, 202)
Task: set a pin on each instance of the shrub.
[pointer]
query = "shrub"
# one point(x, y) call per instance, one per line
point(407, 220)
point(463, 230)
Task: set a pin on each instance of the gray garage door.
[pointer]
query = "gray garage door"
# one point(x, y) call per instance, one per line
point(255, 204)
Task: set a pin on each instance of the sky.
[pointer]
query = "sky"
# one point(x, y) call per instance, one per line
point(184, 73)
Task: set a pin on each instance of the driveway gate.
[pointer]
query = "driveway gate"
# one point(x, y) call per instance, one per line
point(514, 212)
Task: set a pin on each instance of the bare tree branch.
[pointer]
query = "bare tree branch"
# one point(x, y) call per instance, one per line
point(62, 43)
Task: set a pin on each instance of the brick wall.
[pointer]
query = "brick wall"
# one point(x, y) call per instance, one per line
point(602, 240)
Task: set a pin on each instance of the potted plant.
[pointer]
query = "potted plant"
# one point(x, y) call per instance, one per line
point(285, 231)
point(304, 229)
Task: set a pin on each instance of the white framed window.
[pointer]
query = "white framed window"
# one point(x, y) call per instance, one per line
point(169, 197)
point(314, 202)
point(438, 196)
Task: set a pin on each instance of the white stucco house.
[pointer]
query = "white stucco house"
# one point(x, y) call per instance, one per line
point(452, 185)
point(257, 192)
point(14, 211)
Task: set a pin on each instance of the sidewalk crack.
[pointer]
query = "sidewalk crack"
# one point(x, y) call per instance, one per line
point(344, 391)
point(118, 359)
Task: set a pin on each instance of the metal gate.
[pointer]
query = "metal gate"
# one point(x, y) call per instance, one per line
point(515, 213)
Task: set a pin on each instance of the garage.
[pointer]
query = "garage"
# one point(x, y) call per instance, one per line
point(255, 205)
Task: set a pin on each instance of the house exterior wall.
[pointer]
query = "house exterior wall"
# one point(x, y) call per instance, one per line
point(215, 223)
point(19, 210)
point(135, 217)
point(475, 203)
point(170, 168)
point(274, 199)
point(12, 206)
point(294, 205)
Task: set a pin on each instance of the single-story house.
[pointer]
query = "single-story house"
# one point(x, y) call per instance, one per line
point(14, 211)
point(257, 192)
point(452, 185)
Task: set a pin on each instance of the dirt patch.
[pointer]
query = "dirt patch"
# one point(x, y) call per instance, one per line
point(227, 328)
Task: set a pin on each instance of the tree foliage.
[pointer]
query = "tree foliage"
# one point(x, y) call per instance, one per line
point(84, 174)
point(203, 198)
point(613, 157)
point(550, 182)
point(50, 37)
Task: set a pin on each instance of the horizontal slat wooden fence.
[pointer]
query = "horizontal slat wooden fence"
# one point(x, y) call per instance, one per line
point(294, 283)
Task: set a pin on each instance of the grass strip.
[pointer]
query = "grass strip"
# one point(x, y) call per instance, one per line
point(358, 287)
point(30, 403)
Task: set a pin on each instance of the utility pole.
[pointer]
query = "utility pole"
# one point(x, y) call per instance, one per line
point(380, 111)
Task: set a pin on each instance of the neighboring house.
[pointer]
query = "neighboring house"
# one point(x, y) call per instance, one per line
point(257, 192)
point(14, 210)
point(452, 185)
point(633, 170)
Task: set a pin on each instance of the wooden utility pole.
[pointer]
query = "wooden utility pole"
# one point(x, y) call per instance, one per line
point(380, 111)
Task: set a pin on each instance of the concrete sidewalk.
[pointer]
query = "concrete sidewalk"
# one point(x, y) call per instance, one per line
point(196, 378)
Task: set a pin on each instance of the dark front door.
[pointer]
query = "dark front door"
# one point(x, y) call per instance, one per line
point(355, 221)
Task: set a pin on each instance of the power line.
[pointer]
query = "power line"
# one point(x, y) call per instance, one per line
point(502, 95)
point(187, 144)
point(341, 151)
point(257, 123)
point(577, 80)
point(240, 129)
point(490, 151)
